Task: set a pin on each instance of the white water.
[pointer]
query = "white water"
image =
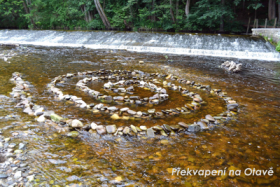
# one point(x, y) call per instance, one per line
point(185, 44)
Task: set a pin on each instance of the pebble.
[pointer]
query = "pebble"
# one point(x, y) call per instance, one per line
point(77, 124)
point(150, 133)
point(111, 129)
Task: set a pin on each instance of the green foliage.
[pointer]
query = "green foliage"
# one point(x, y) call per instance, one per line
point(123, 14)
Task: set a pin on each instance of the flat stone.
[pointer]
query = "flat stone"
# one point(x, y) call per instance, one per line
point(150, 133)
point(101, 130)
point(73, 134)
point(209, 117)
point(133, 128)
point(3, 176)
point(131, 112)
point(56, 118)
point(113, 108)
point(194, 128)
point(143, 128)
point(41, 119)
point(77, 124)
point(202, 125)
point(151, 111)
point(162, 132)
point(182, 124)
point(21, 146)
point(124, 109)
point(111, 129)
point(115, 116)
point(56, 162)
point(93, 125)
point(126, 130)
point(167, 127)
point(17, 175)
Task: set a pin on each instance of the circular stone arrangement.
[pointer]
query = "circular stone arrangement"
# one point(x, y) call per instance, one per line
point(123, 78)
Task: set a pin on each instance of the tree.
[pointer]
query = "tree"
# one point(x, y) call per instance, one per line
point(102, 14)
point(271, 9)
point(187, 8)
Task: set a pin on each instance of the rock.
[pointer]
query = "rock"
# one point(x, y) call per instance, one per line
point(203, 125)
point(3, 176)
point(209, 118)
point(133, 128)
point(194, 128)
point(151, 111)
point(41, 119)
point(131, 112)
point(143, 128)
point(150, 133)
point(56, 162)
point(162, 132)
point(93, 125)
point(182, 124)
point(126, 130)
point(113, 108)
point(77, 124)
point(56, 118)
point(18, 151)
point(124, 109)
point(115, 116)
point(111, 129)
point(141, 62)
point(73, 134)
point(232, 107)
point(28, 110)
point(167, 128)
point(17, 175)
point(101, 129)
point(21, 146)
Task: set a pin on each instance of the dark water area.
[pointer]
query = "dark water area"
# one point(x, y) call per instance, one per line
point(250, 140)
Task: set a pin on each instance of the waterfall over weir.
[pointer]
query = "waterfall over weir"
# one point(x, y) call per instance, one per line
point(241, 47)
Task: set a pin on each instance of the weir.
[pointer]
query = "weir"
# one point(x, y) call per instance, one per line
point(240, 47)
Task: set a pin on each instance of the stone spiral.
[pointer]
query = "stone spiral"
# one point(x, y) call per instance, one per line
point(120, 83)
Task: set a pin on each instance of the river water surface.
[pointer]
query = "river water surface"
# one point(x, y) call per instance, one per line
point(250, 140)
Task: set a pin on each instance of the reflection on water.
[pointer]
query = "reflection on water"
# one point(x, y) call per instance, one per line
point(251, 141)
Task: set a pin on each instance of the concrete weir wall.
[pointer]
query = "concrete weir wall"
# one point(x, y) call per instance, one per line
point(270, 33)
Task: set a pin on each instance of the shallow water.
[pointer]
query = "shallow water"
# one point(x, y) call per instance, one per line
point(250, 141)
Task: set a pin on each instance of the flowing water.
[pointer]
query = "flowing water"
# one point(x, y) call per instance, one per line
point(252, 140)
point(188, 44)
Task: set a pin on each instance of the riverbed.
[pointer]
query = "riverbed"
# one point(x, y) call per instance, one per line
point(250, 140)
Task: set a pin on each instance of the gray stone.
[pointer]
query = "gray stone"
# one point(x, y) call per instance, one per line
point(53, 161)
point(113, 108)
point(167, 128)
point(202, 125)
point(209, 118)
point(151, 111)
point(3, 176)
point(126, 130)
point(111, 129)
point(101, 130)
point(182, 124)
point(77, 124)
point(17, 175)
point(194, 128)
point(131, 112)
point(21, 146)
point(93, 125)
point(150, 133)
point(124, 109)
